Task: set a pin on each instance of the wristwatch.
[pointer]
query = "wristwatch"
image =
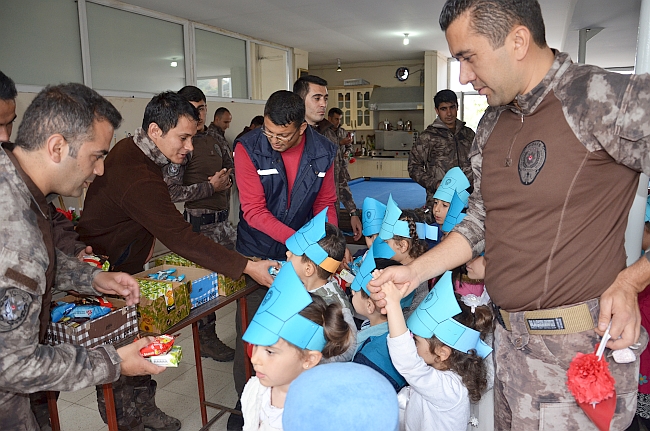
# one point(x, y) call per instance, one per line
point(356, 212)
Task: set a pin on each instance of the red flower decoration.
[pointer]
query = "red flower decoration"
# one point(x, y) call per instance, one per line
point(67, 214)
point(589, 379)
point(352, 160)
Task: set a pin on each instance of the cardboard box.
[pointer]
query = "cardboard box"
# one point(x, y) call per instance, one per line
point(227, 286)
point(116, 326)
point(160, 314)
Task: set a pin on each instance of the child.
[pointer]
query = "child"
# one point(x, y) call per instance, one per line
point(443, 363)
point(450, 199)
point(400, 231)
point(290, 333)
point(372, 349)
point(316, 251)
point(471, 288)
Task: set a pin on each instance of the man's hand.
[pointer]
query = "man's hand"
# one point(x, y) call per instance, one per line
point(355, 222)
point(619, 303)
point(345, 141)
point(133, 364)
point(404, 277)
point(259, 271)
point(221, 180)
point(118, 283)
point(85, 252)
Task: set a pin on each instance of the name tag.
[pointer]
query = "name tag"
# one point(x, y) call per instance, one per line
point(267, 172)
point(321, 175)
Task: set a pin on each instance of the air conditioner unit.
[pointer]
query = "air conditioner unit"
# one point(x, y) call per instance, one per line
point(356, 81)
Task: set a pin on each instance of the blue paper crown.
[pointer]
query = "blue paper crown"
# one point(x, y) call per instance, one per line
point(392, 225)
point(379, 249)
point(305, 241)
point(372, 215)
point(647, 210)
point(434, 316)
point(453, 181)
point(277, 317)
point(454, 213)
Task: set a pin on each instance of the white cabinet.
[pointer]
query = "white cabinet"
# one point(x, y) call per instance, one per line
point(393, 168)
point(355, 104)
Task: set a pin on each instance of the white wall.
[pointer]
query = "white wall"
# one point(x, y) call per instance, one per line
point(376, 73)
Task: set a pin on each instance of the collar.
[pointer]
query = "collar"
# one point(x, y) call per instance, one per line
point(36, 194)
point(323, 125)
point(438, 124)
point(147, 146)
point(217, 129)
point(527, 103)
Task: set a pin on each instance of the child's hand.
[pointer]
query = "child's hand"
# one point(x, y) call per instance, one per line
point(393, 294)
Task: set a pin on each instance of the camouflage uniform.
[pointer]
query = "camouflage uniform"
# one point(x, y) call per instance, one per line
point(341, 174)
point(580, 123)
point(437, 150)
point(29, 268)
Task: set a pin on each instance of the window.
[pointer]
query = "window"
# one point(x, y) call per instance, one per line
point(471, 105)
point(41, 43)
point(133, 52)
point(221, 65)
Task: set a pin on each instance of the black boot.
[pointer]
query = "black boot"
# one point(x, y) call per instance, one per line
point(152, 417)
point(212, 346)
point(235, 422)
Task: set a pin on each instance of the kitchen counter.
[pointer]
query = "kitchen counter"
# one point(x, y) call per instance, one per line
point(372, 166)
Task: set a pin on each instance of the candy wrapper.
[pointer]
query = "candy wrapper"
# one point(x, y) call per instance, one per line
point(169, 359)
point(274, 271)
point(161, 345)
point(100, 262)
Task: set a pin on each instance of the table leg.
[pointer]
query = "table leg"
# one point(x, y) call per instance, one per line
point(243, 308)
point(199, 372)
point(109, 400)
point(54, 412)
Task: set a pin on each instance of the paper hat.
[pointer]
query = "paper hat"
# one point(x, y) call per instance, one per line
point(392, 225)
point(305, 241)
point(358, 398)
point(647, 210)
point(453, 181)
point(426, 231)
point(434, 316)
point(278, 315)
point(372, 215)
point(454, 213)
point(364, 275)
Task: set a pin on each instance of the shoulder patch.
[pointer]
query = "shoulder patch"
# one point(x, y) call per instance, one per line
point(14, 305)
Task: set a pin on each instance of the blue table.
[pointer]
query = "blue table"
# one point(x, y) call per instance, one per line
point(407, 193)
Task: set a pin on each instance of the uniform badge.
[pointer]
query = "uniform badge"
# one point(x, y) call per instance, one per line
point(14, 305)
point(172, 168)
point(531, 161)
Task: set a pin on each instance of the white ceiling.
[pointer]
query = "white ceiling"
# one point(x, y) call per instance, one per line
point(372, 30)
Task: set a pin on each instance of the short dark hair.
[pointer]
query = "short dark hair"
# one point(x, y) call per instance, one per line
point(192, 93)
point(165, 109)
point(333, 111)
point(494, 19)
point(284, 107)
point(334, 245)
point(68, 109)
point(7, 88)
point(257, 120)
point(301, 86)
point(220, 111)
point(445, 96)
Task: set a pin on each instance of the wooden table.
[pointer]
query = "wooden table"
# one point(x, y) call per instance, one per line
point(195, 315)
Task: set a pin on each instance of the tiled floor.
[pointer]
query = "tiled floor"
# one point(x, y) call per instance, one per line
point(177, 387)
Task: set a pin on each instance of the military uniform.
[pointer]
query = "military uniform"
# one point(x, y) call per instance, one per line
point(437, 150)
point(29, 267)
point(544, 167)
point(341, 174)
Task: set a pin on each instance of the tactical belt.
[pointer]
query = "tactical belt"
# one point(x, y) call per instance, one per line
point(203, 219)
point(553, 321)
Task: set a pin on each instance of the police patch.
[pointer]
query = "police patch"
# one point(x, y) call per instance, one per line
point(14, 305)
point(531, 161)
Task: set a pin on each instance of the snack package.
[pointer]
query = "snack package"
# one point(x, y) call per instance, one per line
point(161, 345)
point(100, 262)
point(169, 359)
point(274, 271)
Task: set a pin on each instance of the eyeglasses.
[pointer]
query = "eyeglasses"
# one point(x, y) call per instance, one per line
point(283, 139)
